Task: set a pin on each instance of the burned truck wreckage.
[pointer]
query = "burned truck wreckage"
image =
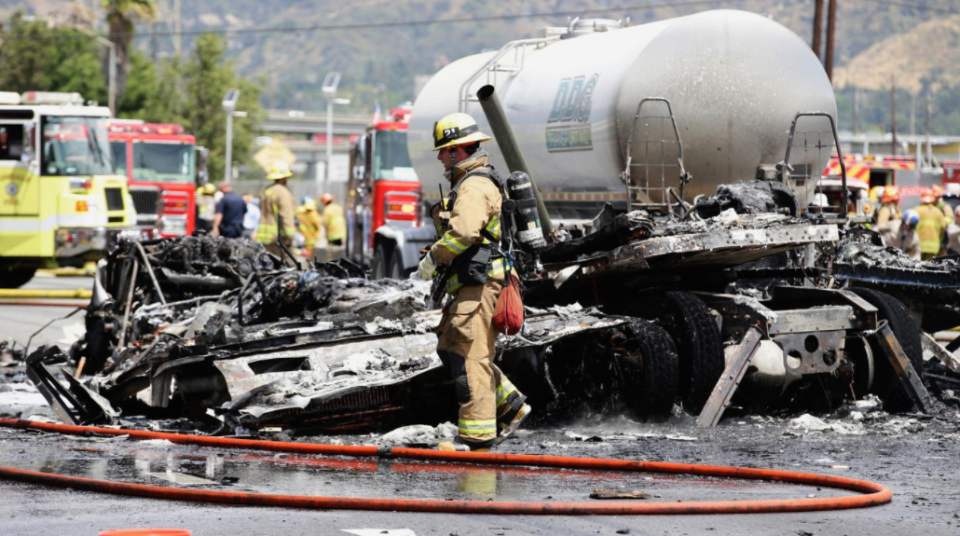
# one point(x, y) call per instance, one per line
point(220, 332)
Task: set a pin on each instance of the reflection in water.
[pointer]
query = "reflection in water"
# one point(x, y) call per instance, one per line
point(314, 475)
point(478, 483)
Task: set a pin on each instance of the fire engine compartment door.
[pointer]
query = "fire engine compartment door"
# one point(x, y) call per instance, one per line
point(19, 187)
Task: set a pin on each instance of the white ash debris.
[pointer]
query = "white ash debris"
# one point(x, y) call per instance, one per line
point(627, 436)
point(567, 311)
point(809, 423)
point(418, 434)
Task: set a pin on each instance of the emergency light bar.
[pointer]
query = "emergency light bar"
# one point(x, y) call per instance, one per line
point(138, 126)
point(9, 97)
point(51, 97)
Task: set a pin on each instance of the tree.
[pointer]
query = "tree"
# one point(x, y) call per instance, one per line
point(207, 76)
point(121, 17)
point(35, 57)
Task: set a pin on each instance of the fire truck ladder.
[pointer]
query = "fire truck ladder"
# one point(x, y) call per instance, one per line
point(493, 66)
point(646, 178)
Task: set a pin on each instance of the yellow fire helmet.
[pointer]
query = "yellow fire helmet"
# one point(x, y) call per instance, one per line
point(280, 170)
point(209, 189)
point(456, 129)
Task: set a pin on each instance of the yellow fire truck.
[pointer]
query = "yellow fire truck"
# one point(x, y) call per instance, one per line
point(61, 201)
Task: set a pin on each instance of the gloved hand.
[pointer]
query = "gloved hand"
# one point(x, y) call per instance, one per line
point(427, 267)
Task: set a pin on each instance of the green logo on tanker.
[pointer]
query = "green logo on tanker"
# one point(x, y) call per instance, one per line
point(569, 119)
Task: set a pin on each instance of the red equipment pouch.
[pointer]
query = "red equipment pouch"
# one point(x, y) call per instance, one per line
point(508, 314)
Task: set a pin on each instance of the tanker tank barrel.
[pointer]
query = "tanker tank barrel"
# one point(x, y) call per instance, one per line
point(510, 148)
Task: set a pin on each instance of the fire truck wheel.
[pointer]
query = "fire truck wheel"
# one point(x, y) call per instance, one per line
point(379, 266)
point(396, 266)
point(886, 385)
point(648, 367)
point(697, 338)
point(15, 277)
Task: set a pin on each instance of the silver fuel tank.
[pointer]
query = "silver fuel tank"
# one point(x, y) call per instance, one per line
point(735, 81)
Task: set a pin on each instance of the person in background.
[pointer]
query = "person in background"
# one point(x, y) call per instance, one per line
point(277, 207)
point(206, 207)
point(890, 205)
point(941, 204)
point(902, 234)
point(334, 223)
point(252, 218)
point(309, 223)
point(230, 211)
point(931, 226)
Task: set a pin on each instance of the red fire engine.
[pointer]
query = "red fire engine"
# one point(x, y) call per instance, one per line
point(160, 163)
point(383, 194)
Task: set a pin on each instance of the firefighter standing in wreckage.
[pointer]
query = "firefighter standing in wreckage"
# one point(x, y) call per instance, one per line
point(468, 223)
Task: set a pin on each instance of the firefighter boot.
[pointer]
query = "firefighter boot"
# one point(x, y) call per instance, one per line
point(510, 421)
point(459, 445)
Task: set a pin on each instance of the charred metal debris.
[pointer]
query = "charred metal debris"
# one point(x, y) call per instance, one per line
point(799, 311)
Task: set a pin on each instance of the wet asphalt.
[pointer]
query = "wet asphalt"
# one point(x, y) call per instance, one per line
point(917, 456)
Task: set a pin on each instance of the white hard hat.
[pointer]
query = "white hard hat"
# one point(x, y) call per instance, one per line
point(820, 200)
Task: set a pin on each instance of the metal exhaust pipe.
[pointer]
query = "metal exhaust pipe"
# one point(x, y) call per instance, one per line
point(510, 148)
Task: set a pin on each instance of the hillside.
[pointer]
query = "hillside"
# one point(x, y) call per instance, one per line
point(380, 63)
point(928, 53)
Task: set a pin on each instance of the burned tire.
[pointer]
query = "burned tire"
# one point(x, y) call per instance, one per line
point(647, 361)
point(886, 385)
point(697, 338)
point(16, 277)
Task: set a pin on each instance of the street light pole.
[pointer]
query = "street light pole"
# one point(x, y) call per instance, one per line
point(326, 171)
point(229, 107)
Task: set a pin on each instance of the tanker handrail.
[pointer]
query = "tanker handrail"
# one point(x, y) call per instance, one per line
point(785, 167)
point(465, 87)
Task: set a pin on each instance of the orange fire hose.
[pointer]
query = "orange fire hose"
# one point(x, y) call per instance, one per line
point(873, 494)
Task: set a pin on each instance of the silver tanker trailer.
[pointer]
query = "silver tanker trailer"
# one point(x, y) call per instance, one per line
point(623, 130)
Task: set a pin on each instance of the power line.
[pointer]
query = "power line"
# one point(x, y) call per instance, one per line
point(397, 24)
point(918, 7)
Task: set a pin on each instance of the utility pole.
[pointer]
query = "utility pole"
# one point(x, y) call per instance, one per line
point(926, 128)
point(913, 114)
point(893, 115)
point(856, 109)
point(818, 28)
point(177, 27)
point(831, 31)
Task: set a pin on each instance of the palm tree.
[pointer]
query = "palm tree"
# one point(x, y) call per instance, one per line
point(121, 17)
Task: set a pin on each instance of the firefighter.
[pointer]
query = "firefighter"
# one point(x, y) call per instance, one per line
point(941, 204)
point(890, 205)
point(473, 272)
point(206, 207)
point(931, 225)
point(902, 234)
point(334, 222)
point(309, 223)
point(276, 212)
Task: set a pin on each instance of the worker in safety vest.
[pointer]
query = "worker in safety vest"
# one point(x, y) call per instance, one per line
point(941, 204)
point(890, 205)
point(206, 207)
point(953, 235)
point(473, 271)
point(309, 222)
point(277, 212)
point(334, 222)
point(902, 234)
point(931, 226)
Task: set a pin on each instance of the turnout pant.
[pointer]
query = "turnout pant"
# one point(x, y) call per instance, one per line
point(466, 345)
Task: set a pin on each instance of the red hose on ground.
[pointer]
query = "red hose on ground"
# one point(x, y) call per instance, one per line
point(874, 494)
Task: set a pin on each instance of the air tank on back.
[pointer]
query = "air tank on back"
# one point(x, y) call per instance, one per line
point(735, 81)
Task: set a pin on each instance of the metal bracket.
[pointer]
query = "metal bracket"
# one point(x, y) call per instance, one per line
point(901, 365)
point(730, 380)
